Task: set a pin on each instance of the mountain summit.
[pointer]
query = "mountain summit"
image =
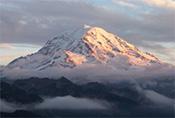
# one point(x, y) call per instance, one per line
point(88, 45)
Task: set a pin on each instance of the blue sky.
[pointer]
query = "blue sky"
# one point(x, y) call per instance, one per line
point(27, 24)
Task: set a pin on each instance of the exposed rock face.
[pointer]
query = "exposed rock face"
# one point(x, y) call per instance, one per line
point(74, 58)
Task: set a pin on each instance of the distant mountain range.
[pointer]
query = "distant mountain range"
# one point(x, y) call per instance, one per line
point(129, 98)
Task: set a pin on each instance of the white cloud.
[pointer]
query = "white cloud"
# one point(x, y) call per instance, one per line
point(125, 3)
point(6, 46)
point(163, 50)
point(161, 3)
point(5, 59)
point(158, 98)
point(69, 102)
point(11, 51)
point(116, 70)
point(6, 107)
point(169, 4)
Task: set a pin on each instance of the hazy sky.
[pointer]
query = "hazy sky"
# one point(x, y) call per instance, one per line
point(25, 25)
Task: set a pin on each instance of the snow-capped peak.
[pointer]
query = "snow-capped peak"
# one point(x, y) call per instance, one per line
point(88, 45)
point(104, 46)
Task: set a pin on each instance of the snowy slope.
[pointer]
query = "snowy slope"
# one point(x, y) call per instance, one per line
point(86, 45)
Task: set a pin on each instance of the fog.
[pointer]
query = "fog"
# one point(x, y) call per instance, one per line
point(6, 107)
point(159, 99)
point(154, 83)
point(69, 102)
point(116, 69)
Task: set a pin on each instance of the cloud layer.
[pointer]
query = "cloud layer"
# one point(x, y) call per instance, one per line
point(116, 69)
point(69, 102)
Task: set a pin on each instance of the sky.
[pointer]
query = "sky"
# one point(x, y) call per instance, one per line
point(25, 25)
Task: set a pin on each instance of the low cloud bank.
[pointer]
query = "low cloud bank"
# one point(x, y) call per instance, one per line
point(69, 102)
point(154, 83)
point(6, 107)
point(57, 103)
point(159, 99)
point(114, 70)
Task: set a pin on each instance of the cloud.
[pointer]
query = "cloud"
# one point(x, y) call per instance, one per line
point(117, 69)
point(124, 3)
point(158, 98)
point(153, 85)
point(6, 107)
point(7, 58)
point(11, 51)
point(163, 50)
point(69, 102)
point(166, 4)
point(144, 81)
point(6, 46)
point(161, 3)
point(31, 25)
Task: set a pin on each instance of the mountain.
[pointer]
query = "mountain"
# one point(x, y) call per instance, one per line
point(1, 68)
point(88, 45)
point(116, 92)
point(19, 114)
point(122, 98)
point(47, 87)
point(26, 91)
point(12, 93)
